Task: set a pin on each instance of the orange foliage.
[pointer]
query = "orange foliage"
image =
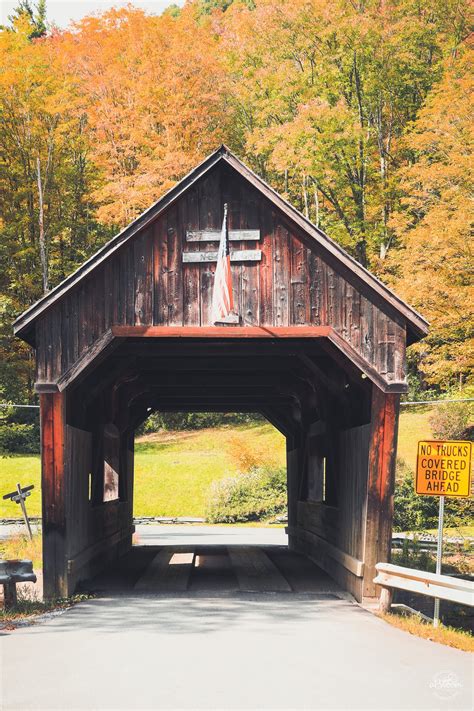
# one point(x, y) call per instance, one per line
point(153, 89)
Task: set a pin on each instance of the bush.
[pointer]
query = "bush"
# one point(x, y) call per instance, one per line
point(257, 495)
point(194, 420)
point(413, 512)
point(454, 420)
point(19, 438)
point(248, 453)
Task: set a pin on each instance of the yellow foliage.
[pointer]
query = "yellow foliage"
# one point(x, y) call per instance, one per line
point(248, 453)
point(434, 266)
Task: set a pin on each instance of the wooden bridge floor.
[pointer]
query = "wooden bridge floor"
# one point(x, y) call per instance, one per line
point(219, 569)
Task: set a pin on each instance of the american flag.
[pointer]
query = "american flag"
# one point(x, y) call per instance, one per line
point(222, 296)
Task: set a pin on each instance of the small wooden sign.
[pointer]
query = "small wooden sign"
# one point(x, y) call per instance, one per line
point(443, 468)
point(215, 235)
point(238, 255)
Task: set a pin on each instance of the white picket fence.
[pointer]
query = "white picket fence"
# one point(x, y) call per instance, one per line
point(443, 587)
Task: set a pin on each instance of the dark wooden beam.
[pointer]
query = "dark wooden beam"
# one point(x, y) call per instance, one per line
point(219, 332)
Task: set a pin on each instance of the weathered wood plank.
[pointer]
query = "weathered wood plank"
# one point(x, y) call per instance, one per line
point(255, 571)
point(160, 272)
point(143, 286)
point(281, 277)
point(299, 302)
point(175, 269)
point(191, 293)
point(169, 571)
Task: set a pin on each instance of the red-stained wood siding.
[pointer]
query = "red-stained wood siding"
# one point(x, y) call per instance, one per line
point(146, 283)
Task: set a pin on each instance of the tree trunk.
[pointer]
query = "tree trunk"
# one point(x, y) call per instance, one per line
point(316, 204)
point(42, 241)
point(305, 198)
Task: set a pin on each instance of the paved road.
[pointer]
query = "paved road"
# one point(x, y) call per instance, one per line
point(221, 651)
point(178, 534)
point(174, 534)
point(247, 652)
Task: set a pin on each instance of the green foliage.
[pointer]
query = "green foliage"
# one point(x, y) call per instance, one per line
point(37, 19)
point(413, 512)
point(172, 10)
point(453, 421)
point(410, 556)
point(19, 431)
point(195, 420)
point(207, 7)
point(19, 439)
point(257, 495)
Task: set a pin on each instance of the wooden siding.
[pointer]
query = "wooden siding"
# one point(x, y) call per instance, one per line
point(146, 283)
point(342, 524)
point(93, 530)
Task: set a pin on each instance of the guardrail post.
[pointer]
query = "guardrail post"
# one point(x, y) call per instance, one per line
point(10, 599)
point(385, 601)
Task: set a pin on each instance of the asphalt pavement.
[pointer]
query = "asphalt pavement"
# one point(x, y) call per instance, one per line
point(226, 651)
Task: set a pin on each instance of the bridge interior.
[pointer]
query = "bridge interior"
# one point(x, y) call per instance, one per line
point(303, 386)
point(196, 560)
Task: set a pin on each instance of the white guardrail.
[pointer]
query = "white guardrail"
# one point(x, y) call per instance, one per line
point(443, 587)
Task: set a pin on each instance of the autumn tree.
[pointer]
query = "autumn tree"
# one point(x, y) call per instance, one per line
point(325, 90)
point(155, 101)
point(433, 268)
point(46, 213)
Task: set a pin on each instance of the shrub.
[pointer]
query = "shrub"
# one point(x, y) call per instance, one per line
point(194, 420)
point(413, 512)
point(454, 420)
point(249, 453)
point(257, 495)
point(19, 438)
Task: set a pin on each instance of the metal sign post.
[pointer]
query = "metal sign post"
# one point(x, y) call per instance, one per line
point(439, 556)
point(19, 497)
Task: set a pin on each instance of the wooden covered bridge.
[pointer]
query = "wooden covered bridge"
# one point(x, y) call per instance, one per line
point(317, 345)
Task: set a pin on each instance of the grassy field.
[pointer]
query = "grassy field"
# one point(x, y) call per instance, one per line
point(174, 469)
point(413, 427)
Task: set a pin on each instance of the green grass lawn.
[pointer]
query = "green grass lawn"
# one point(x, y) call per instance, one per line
point(413, 427)
point(173, 470)
point(23, 469)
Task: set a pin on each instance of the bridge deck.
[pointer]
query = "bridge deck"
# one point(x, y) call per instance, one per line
point(212, 569)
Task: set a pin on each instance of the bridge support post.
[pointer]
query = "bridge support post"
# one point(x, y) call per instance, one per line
point(53, 482)
point(380, 485)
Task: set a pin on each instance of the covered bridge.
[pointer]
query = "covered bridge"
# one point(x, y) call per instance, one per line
point(317, 345)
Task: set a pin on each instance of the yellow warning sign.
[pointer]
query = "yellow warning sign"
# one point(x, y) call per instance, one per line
point(443, 469)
